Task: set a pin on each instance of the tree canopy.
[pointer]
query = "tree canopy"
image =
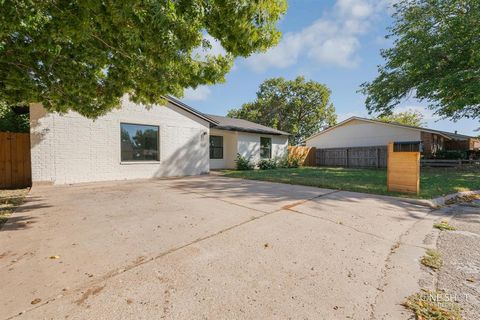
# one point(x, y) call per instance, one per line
point(409, 118)
point(85, 55)
point(12, 120)
point(435, 57)
point(297, 106)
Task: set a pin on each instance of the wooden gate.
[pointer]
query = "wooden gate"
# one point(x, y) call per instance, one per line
point(15, 166)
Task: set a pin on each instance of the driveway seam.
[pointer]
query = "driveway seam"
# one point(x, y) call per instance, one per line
point(388, 241)
point(114, 273)
point(381, 282)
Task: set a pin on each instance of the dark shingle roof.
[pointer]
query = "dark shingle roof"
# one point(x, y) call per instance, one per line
point(232, 124)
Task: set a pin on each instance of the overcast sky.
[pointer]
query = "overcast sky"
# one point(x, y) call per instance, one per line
point(334, 42)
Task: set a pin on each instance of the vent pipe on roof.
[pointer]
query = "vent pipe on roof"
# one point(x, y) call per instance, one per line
point(455, 131)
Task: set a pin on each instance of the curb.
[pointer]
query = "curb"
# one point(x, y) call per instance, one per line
point(439, 202)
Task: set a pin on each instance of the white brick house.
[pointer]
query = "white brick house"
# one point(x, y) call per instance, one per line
point(134, 142)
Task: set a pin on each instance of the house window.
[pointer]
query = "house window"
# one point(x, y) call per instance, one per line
point(216, 147)
point(139, 142)
point(265, 148)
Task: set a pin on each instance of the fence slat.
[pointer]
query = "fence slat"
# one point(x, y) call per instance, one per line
point(15, 162)
point(307, 155)
point(360, 157)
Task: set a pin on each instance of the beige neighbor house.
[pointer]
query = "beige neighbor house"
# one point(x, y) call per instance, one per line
point(362, 132)
point(135, 142)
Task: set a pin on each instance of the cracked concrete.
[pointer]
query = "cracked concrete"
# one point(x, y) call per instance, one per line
point(210, 248)
point(459, 277)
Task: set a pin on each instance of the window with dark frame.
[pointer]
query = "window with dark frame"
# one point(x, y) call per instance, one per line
point(216, 147)
point(139, 142)
point(265, 148)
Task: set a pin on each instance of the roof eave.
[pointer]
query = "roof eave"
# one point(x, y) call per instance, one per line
point(251, 130)
point(189, 109)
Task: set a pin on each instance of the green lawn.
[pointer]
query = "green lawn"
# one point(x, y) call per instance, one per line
point(434, 182)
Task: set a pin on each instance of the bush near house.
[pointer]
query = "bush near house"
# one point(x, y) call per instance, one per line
point(451, 155)
point(243, 163)
point(266, 164)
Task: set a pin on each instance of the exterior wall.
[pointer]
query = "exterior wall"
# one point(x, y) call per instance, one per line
point(431, 143)
point(229, 150)
point(468, 144)
point(70, 148)
point(474, 144)
point(362, 134)
point(249, 145)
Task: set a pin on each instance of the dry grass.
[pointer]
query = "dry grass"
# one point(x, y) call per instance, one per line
point(444, 225)
point(9, 200)
point(429, 305)
point(432, 259)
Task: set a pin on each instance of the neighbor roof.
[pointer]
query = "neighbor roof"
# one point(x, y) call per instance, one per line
point(232, 124)
point(448, 135)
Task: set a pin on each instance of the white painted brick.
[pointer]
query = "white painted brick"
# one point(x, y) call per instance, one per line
point(70, 148)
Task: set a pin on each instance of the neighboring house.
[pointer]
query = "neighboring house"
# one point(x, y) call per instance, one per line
point(135, 142)
point(230, 137)
point(362, 132)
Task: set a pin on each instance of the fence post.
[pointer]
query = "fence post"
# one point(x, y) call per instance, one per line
point(348, 161)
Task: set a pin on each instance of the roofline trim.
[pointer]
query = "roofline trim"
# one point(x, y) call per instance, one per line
point(237, 129)
point(189, 109)
point(379, 122)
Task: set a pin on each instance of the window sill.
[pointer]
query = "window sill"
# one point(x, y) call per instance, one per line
point(139, 162)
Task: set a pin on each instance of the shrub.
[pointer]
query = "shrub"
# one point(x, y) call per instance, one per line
point(294, 162)
point(243, 163)
point(451, 154)
point(266, 164)
point(289, 162)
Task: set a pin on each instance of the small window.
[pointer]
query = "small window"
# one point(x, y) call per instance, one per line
point(139, 142)
point(216, 147)
point(265, 148)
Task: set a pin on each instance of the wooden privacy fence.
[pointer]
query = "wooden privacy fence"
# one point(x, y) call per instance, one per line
point(403, 170)
point(15, 167)
point(305, 154)
point(359, 157)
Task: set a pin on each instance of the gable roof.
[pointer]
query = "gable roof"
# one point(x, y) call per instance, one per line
point(445, 134)
point(225, 123)
point(233, 124)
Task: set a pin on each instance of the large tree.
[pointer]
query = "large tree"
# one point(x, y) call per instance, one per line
point(297, 106)
point(85, 55)
point(435, 57)
point(409, 118)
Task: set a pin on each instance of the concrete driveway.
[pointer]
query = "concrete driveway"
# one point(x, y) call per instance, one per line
point(209, 248)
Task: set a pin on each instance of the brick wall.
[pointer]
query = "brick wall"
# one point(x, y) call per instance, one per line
point(70, 148)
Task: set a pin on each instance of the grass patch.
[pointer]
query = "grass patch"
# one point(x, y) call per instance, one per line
point(432, 259)
point(429, 305)
point(434, 182)
point(9, 200)
point(444, 225)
